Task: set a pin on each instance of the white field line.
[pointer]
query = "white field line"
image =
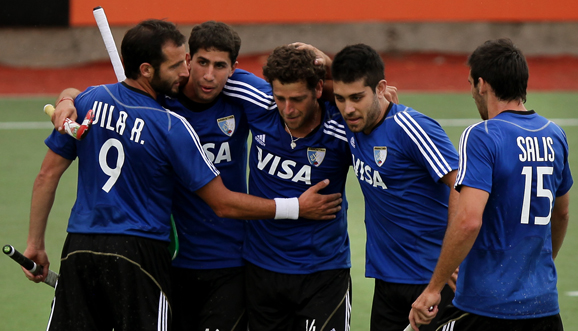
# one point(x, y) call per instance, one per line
point(572, 294)
point(448, 122)
point(25, 125)
point(469, 121)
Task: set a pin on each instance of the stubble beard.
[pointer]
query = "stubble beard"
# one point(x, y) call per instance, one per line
point(163, 86)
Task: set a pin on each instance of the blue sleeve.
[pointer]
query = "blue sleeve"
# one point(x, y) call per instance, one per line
point(567, 179)
point(477, 157)
point(253, 94)
point(427, 144)
point(188, 159)
point(62, 144)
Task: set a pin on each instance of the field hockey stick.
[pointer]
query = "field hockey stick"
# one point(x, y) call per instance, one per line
point(409, 328)
point(77, 131)
point(30, 265)
point(102, 22)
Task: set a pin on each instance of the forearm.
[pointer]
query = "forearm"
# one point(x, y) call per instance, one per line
point(70, 92)
point(559, 224)
point(450, 179)
point(458, 242)
point(244, 206)
point(43, 194)
point(64, 108)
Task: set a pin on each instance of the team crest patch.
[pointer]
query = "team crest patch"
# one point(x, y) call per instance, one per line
point(379, 154)
point(227, 125)
point(315, 156)
point(352, 142)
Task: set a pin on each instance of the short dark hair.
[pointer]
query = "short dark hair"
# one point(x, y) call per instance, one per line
point(503, 66)
point(144, 44)
point(356, 62)
point(287, 64)
point(215, 35)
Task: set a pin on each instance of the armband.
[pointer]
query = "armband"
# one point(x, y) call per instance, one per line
point(286, 209)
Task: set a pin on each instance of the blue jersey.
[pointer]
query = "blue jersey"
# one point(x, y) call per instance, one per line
point(206, 240)
point(128, 163)
point(521, 160)
point(399, 166)
point(278, 171)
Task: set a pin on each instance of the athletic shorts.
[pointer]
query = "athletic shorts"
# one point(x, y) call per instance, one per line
point(208, 299)
point(454, 319)
point(392, 304)
point(320, 301)
point(112, 282)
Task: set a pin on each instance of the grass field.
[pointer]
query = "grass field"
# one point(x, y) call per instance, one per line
point(25, 305)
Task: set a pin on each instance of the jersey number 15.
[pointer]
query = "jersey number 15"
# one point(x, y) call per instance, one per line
point(541, 192)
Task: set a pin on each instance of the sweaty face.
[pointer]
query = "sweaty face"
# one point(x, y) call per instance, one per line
point(210, 70)
point(358, 105)
point(298, 105)
point(171, 72)
point(480, 102)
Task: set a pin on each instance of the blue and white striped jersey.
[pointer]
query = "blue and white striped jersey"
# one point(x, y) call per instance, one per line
point(129, 163)
point(278, 171)
point(399, 165)
point(521, 160)
point(206, 240)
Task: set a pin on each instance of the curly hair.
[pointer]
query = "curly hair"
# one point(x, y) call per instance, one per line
point(288, 64)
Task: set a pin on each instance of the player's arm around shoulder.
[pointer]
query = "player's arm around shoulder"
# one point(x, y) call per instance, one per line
point(310, 204)
point(64, 108)
point(251, 93)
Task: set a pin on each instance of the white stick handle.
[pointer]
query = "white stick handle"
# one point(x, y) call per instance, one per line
point(408, 328)
point(102, 23)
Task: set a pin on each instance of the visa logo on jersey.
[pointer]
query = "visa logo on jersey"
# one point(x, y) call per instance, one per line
point(285, 169)
point(365, 173)
point(223, 152)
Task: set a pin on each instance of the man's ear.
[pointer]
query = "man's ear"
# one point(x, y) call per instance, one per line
point(188, 61)
point(233, 67)
point(482, 86)
point(146, 70)
point(381, 88)
point(319, 89)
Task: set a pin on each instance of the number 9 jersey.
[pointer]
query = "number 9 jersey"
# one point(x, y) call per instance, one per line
point(521, 159)
point(129, 162)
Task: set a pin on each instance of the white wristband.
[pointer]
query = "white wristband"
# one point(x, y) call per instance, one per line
point(286, 209)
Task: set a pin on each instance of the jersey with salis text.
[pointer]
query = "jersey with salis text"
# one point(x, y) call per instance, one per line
point(277, 171)
point(521, 159)
point(399, 166)
point(128, 163)
point(206, 240)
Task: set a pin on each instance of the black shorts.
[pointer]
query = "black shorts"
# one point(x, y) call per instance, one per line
point(392, 304)
point(455, 319)
point(208, 299)
point(112, 282)
point(320, 301)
